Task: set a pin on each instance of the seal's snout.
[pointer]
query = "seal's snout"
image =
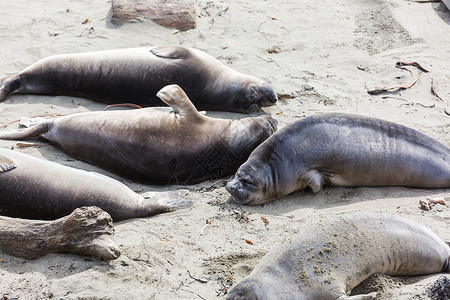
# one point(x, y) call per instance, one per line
point(236, 189)
point(269, 96)
point(271, 124)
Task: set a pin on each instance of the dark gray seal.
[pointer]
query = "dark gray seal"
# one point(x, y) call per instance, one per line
point(33, 188)
point(154, 146)
point(137, 74)
point(328, 257)
point(340, 150)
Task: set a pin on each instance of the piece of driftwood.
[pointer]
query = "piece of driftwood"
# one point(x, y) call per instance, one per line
point(179, 14)
point(86, 231)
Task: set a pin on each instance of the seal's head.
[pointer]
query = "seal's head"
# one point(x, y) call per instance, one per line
point(247, 290)
point(255, 94)
point(253, 183)
point(242, 93)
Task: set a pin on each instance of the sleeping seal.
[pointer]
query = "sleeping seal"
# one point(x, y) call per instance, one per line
point(33, 188)
point(137, 74)
point(329, 257)
point(340, 150)
point(153, 146)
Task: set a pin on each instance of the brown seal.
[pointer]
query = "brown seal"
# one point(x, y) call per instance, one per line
point(33, 188)
point(137, 74)
point(154, 146)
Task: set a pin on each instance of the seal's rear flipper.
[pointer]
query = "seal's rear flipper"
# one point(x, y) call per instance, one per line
point(6, 163)
point(160, 202)
point(174, 52)
point(20, 134)
point(9, 85)
point(174, 96)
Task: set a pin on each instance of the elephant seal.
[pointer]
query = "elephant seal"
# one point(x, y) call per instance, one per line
point(340, 150)
point(137, 74)
point(33, 188)
point(153, 146)
point(329, 257)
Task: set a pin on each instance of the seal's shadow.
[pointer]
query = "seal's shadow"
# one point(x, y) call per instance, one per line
point(339, 197)
point(54, 265)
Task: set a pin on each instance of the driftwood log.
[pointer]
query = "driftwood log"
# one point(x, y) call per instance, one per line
point(86, 231)
point(179, 14)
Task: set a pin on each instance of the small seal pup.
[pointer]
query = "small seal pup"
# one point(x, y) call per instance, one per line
point(153, 146)
point(340, 150)
point(137, 74)
point(33, 188)
point(327, 258)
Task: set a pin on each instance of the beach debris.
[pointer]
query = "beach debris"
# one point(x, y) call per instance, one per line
point(23, 145)
point(274, 50)
point(249, 242)
point(7, 297)
point(433, 90)
point(86, 231)
point(265, 220)
point(440, 289)
point(85, 21)
point(400, 65)
point(179, 14)
point(226, 285)
point(363, 68)
point(379, 90)
point(132, 105)
point(241, 216)
point(202, 280)
point(208, 222)
point(429, 203)
point(284, 96)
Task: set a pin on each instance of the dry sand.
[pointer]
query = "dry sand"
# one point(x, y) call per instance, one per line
point(330, 53)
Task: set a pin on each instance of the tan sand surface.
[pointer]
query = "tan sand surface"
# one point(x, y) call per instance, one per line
point(330, 53)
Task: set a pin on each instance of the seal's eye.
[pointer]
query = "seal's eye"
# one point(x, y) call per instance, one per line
point(252, 92)
point(248, 180)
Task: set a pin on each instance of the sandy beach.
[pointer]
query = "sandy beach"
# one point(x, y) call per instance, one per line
point(328, 55)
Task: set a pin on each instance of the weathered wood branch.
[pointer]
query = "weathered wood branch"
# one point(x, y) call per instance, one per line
point(86, 231)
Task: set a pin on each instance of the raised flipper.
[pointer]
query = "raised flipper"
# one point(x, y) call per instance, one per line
point(315, 180)
point(370, 296)
point(160, 202)
point(9, 85)
point(174, 52)
point(31, 132)
point(6, 163)
point(175, 97)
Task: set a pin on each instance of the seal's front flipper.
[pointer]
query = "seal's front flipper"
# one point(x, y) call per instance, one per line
point(6, 163)
point(175, 97)
point(174, 52)
point(370, 296)
point(9, 85)
point(160, 202)
point(315, 180)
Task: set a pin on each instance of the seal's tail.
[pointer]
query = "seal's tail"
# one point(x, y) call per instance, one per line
point(27, 133)
point(161, 202)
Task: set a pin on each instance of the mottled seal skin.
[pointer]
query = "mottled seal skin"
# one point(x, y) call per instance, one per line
point(137, 74)
point(33, 188)
point(330, 256)
point(340, 150)
point(154, 146)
